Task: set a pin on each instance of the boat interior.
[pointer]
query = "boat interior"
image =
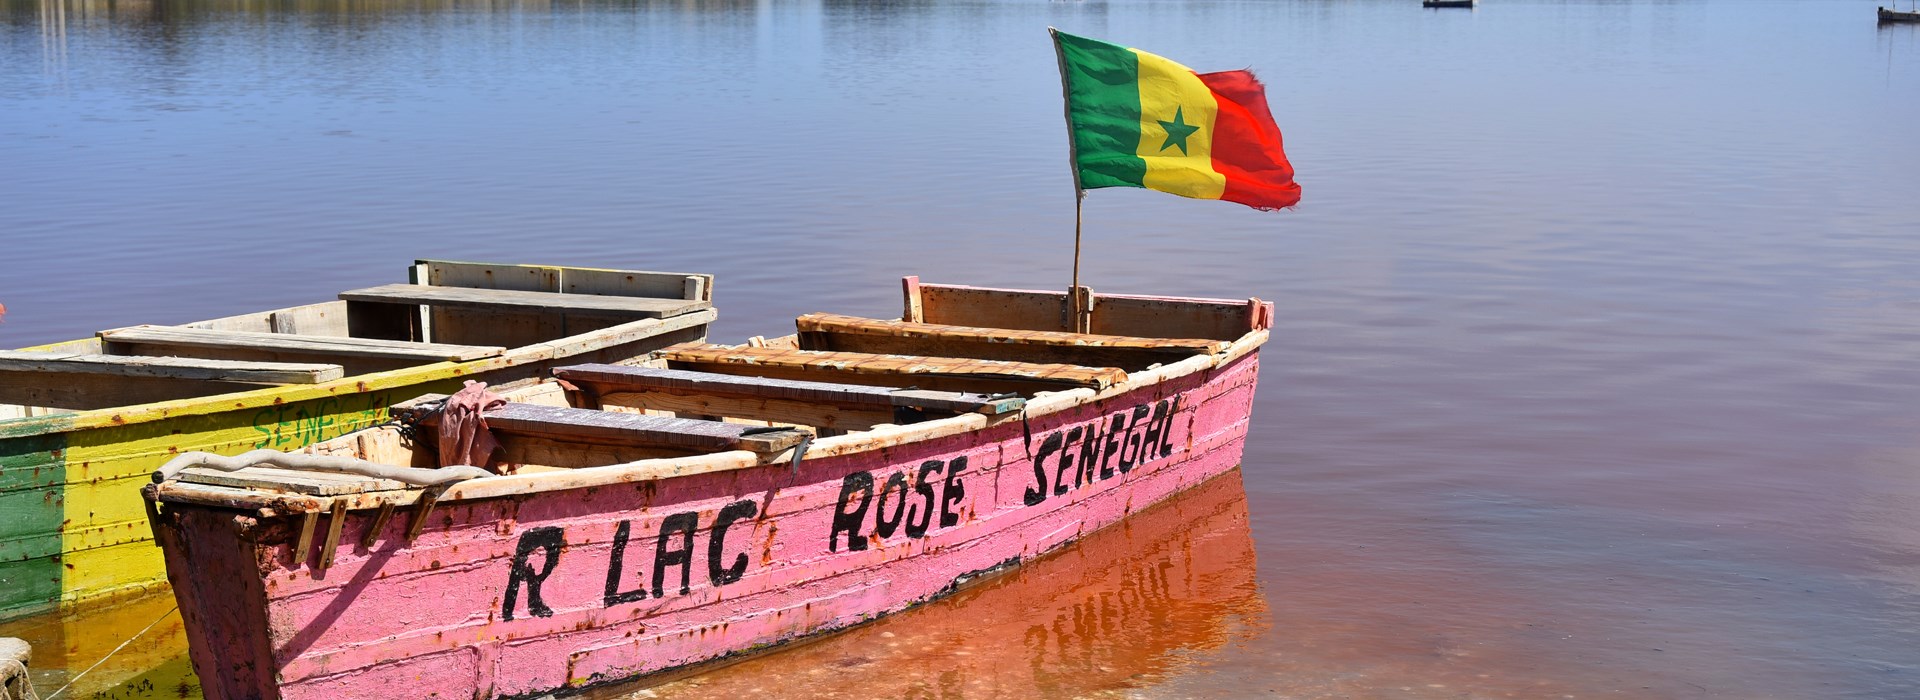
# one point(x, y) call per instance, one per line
point(446, 312)
point(956, 350)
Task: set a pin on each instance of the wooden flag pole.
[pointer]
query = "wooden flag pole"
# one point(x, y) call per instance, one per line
point(1073, 296)
point(1076, 306)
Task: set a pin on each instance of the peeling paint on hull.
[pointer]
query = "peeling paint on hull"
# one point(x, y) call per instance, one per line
point(72, 525)
point(555, 590)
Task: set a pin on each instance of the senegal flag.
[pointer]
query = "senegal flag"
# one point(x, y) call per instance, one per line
point(1139, 120)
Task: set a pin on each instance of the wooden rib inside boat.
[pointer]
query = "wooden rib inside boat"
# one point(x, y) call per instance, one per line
point(707, 500)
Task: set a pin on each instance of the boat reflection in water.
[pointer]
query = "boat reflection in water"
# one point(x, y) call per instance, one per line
point(153, 665)
point(1124, 608)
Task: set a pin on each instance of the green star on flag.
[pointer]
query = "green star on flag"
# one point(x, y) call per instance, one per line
point(1178, 130)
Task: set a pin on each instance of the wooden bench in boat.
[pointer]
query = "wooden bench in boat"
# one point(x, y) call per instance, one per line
point(170, 367)
point(635, 430)
point(84, 381)
point(521, 301)
point(510, 316)
point(356, 354)
point(820, 404)
point(937, 373)
point(856, 334)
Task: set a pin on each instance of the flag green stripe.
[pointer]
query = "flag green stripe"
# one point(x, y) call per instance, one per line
point(1103, 109)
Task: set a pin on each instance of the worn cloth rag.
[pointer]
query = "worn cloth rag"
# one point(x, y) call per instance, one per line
point(464, 438)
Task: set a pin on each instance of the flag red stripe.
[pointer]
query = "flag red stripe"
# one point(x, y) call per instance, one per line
point(1246, 143)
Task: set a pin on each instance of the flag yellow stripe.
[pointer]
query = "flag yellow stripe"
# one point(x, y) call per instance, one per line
point(1169, 92)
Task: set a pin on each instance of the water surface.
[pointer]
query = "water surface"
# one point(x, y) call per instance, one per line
point(1594, 368)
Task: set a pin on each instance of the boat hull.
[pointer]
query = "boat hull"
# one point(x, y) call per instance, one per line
point(72, 524)
point(1892, 15)
point(518, 596)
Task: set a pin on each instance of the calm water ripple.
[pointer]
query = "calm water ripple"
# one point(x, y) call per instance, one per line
point(1595, 365)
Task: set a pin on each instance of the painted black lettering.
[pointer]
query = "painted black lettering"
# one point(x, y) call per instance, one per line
point(1066, 453)
point(919, 515)
point(883, 525)
point(1038, 492)
point(1150, 440)
point(1116, 432)
point(717, 543)
point(1130, 453)
point(550, 539)
point(682, 524)
point(1166, 431)
point(848, 521)
point(615, 563)
point(1090, 449)
point(1060, 475)
point(953, 491)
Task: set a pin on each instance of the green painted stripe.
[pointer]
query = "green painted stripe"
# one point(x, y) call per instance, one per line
point(32, 479)
point(1103, 111)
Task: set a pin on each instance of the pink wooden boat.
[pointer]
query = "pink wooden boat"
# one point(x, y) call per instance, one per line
point(708, 502)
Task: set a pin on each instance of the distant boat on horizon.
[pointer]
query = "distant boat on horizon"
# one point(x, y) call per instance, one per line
point(1447, 3)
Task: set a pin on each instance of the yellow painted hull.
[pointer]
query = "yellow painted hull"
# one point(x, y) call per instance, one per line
point(72, 524)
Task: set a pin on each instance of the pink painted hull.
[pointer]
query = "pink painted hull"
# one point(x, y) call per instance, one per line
point(520, 596)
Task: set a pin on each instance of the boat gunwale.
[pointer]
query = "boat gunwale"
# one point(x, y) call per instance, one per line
point(28, 426)
point(272, 503)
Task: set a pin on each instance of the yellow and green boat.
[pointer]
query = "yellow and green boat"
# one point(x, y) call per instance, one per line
point(84, 423)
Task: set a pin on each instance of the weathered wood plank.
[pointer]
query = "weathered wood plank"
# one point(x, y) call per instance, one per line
point(84, 392)
point(625, 377)
point(1113, 314)
point(529, 278)
point(625, 283)
point(910, 300)
point(290, 481)
point(296, 344)
point(994, 308)
point(856, 334)
point(784, 411)
point(1173, 317)
point(519, 301)
point(940, 373)
point(170, 367)
point(324, 318)
point(587, 425)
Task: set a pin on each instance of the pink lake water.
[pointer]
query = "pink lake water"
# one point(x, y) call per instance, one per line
point(1594, 370)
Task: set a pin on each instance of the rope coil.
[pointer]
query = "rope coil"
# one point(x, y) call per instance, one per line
point(14, 682)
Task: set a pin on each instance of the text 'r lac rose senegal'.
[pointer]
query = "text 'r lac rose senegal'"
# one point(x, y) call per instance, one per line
point(1140, 120)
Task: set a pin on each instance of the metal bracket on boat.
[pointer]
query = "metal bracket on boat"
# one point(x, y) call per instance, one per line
point(427, 500)
point(799, 451)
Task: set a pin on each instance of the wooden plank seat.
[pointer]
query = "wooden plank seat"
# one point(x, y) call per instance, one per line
point(186, 368)
point(516, 301)
point(823, 331)
point(634, 429)
point(356, 354)
point(820, 404)
point(923, 372)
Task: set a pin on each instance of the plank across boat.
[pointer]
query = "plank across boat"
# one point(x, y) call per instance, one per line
point(83, 423)
point(625, 527)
